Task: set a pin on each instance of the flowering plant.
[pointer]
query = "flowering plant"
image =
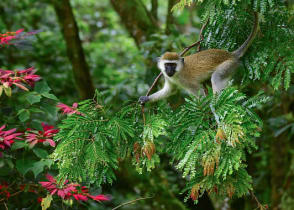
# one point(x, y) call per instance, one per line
point(6, 38)
point(7, 138)
point(66, 190)
point(23, 158)
point(17, 78)
point(45, 136)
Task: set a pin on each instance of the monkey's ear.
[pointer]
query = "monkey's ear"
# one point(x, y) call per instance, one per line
point(182, 59)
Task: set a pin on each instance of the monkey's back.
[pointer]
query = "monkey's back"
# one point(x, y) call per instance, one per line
point(201, 65)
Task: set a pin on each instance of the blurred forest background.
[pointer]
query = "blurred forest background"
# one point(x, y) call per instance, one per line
point(112, 46)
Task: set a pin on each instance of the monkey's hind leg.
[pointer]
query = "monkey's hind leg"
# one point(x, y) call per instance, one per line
point(222, 75)
point(196, 90)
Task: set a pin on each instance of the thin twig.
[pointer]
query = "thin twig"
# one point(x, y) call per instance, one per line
point(148, 92)
point(260, 206)
point(188, 48)
point(14, 194)
point(201, 34)
point(201, 38)
point(129, 202)
point(154, 83)
point(5, 205)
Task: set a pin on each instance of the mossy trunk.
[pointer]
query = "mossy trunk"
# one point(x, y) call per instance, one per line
point(74, 48)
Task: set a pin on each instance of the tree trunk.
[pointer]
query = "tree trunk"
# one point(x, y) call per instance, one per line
point(280, 158)
point(279, 166)
point(136, 18)
point(169, 16)
point(154, 9)
point(74, 47)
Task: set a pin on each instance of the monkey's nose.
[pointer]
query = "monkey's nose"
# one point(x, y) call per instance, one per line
point(170, 72)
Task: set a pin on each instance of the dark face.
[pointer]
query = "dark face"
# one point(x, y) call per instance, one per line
point(170, 69)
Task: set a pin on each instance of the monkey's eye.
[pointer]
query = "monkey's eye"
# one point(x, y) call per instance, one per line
point(170, 65)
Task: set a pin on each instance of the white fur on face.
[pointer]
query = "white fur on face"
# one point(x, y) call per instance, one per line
point(162, 68)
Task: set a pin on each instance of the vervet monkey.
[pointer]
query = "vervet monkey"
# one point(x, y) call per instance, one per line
point(188, 72)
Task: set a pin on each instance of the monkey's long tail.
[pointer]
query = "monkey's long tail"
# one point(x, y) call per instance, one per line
point(241, 50)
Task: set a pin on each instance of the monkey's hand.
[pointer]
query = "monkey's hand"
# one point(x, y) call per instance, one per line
point(143, 99)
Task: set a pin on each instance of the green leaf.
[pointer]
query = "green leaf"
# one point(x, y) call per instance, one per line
point(38, 167)
point(46, 202)
point(9, 163)
point(36, 110)
point(18, 145)
point(7, 91)
point(1, 90)
point(33, 98)
point(49, 108)
point(42, 87)
point(41, 153)
point(24, 165)
point(24, 115)
point(51, 96)
point(6, 171)
point(36, 124)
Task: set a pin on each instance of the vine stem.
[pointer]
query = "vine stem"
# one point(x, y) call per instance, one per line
point(129, 202)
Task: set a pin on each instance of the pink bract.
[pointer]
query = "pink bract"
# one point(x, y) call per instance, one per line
point(19, 78)
point(69, 110)
point(7, 137)
point(33, 136)
point(62, 191)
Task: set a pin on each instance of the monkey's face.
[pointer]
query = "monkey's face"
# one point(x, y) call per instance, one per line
point(170, 67)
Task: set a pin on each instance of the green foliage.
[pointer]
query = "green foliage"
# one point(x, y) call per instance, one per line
point(145, 152)
point(89, 143)
point(212, 5)
point(209, 139)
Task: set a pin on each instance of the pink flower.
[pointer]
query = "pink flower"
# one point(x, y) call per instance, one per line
point(18, 78)
point(17, 38)
point(66, 190)
point(83, 195)
point(63, 191)
point(7, 137)
point(4, 190)
point(69, 110)
point(8, 36)
point(100, 197)
point(33, 137)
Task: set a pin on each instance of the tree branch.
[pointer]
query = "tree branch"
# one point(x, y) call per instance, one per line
point(129, 202)
point(136, 18)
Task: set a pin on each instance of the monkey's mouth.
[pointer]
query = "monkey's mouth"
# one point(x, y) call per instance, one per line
point(170, 72)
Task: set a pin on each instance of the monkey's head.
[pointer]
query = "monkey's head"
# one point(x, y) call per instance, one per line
point(170, 63)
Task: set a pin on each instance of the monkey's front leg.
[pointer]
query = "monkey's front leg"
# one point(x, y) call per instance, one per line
point(163, 93)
